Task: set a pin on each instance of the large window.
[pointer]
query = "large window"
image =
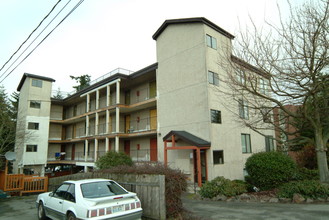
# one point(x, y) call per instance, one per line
point(213, 78)
point(243, 109)
point(37, 83)
point(211, 42)
point(216, 116)
point(35, 104)
point(33, 126)
point(245, 143)
point(31, 148)
point(218, 156)
point(269, 143)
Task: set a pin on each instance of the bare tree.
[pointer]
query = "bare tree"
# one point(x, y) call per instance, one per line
point(292, 61)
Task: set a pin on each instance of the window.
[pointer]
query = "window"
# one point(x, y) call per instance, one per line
point(101, 189)
point(245, 143)
point(216, 116)
point(262, 86)
point(213, 78)
point(243, 109)
point(211, 42)
point(31, 148)
point(266, 114)
point(37, 83)
point(218, 156)
point(241, 76)
point(61, 191)
point(35, 104)
point(33, 126)
point(269, 143)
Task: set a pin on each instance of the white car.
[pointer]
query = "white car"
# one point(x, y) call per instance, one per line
point(95, 199)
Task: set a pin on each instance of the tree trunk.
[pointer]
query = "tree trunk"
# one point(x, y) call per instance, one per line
point(321, 156)
point(323, 166)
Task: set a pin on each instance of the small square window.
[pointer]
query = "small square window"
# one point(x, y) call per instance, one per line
point(218, 156)
point(35, 104)
point(37, 83)
point(33, 126)
point(216, 116)
point(213, 78)
point(31, 148)
point(211, 42)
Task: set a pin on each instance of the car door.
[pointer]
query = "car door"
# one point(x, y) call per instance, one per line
point(54, 204)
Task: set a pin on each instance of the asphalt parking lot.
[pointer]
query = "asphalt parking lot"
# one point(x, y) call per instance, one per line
point(16, 208)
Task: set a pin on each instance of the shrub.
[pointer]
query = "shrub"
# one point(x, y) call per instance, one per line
point(307, 174)
point(222, 186)
point(113, 159)
point(175, 182)
point(268, 170)
point(307, 188)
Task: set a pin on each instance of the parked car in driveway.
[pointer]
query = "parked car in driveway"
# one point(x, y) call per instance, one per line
point(96, 199)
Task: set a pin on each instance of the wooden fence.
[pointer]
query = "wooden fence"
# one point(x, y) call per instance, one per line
point(22, 183)
point(149, 188)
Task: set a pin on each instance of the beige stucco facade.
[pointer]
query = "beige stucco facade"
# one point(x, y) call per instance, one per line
point(133, 112)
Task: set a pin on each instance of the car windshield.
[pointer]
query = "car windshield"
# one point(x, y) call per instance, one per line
point(101, 189)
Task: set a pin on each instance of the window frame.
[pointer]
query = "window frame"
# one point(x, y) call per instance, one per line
point(35, 104)
point(37, 83)
point(269, 143)
point(220, 157)
point(218, 114)
point(211, 41)
point(246, 149)
point(33, 126)
point(213, 78)
point(243, 109)
point(31, 148)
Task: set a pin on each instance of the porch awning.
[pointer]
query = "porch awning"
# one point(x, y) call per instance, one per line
point(188, 138)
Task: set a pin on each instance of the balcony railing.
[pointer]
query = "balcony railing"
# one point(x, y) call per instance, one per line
point(136, 156)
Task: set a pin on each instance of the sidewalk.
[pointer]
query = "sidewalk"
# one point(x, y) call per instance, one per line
point(256, 211)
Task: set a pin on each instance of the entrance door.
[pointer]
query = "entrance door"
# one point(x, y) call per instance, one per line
point(153, 119)
point(203, 159)
point(153, 149)
point(127, 147)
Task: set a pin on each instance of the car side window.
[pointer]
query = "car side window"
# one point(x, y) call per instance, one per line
point(70, 194)
point(61, 191)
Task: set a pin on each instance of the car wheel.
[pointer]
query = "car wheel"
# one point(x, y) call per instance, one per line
point(41, 211)
point(71, 216)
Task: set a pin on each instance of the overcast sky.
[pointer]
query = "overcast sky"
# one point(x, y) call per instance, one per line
point(102, 35)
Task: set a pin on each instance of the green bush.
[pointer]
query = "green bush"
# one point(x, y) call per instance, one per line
point(268, 170)
point(307, 188)
point(113, 159)
point(222, 186)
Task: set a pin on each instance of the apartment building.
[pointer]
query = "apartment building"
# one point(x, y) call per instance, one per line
point(171, 111)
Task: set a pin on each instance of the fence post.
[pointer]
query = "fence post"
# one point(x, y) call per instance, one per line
point(162, 196)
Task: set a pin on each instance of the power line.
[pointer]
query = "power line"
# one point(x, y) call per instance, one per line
point(35, 38)
point(29, 36)
point(72, 10)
